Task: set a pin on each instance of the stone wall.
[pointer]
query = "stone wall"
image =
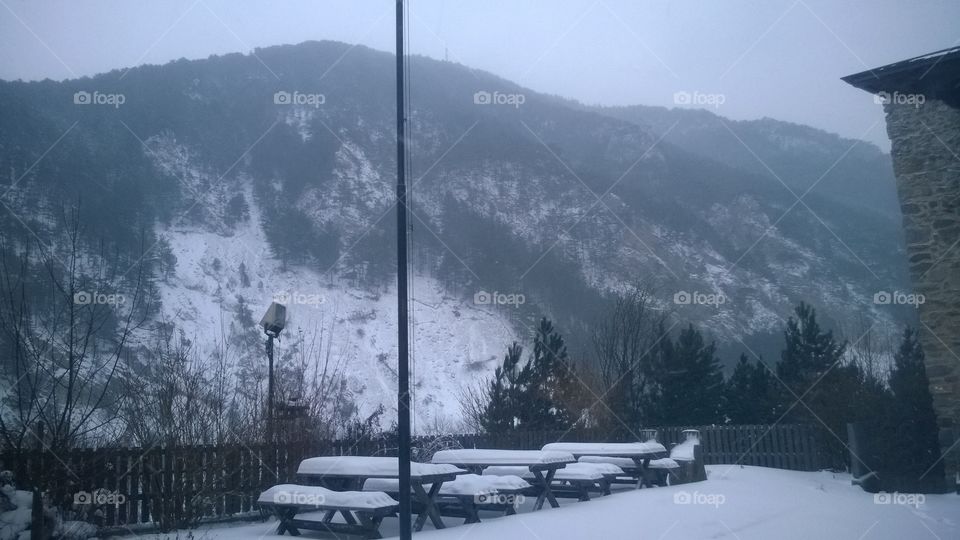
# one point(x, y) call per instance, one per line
point(926, 160)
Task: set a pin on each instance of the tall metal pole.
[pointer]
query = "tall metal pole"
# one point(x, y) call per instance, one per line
point(403, 386)
point(270, 390)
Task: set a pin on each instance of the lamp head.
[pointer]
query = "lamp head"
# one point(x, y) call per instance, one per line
point(274, 319)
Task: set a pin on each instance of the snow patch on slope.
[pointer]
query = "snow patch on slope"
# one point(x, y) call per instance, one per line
point(455, 343)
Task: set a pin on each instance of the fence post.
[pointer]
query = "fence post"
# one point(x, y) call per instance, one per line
point(38, 529)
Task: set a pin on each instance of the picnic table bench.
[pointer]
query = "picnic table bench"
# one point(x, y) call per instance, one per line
point(348, 473)
point(639, 452)
point(576, 480)
point(468, 494)
point(362, 511)
point(540, 464)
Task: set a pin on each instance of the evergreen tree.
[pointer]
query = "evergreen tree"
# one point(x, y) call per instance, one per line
point(501, 409)
point(547, 381)
point(820, 389)
point(690, 383)
point(913, 415)
point(537, 395)
point(750, 394)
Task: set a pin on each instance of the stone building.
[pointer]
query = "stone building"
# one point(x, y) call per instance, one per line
point(921, 99)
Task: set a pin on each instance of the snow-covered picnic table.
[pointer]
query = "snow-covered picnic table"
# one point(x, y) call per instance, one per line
point(575, 480)
point(639, 452)
point(468, 494)
point(348, 473)
point(362, 511)
point(542, 465)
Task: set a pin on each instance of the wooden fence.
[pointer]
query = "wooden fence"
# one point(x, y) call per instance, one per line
point(169, 488)
point(794, 447)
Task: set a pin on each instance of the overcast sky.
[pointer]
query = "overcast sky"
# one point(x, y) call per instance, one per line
point(776, 58)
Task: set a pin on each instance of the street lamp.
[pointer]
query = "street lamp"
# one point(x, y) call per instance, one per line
point(272, 322)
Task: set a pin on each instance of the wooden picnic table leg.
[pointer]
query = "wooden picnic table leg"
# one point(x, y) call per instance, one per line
point(285, 516)
point(642, 464)
point(469, 504)
point(546, 493)
point(429, 505)
point(371, 524)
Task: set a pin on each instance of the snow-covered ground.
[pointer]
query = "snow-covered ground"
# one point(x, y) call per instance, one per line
point(736, 502)
point(455, 342)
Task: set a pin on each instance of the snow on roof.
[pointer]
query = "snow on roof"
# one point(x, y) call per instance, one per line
point(477, 456)
point(368, 467)
point(607, 449)
point(319, 496)
point(466, 484)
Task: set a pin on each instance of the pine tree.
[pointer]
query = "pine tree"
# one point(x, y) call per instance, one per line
point(501, 413)
point(540, 394)
point(913, 413)
point(820, 389)
point(690, 383)
point(546, 380)
point(749, 394)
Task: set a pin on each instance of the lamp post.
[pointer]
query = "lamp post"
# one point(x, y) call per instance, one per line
point(403, 353)
point(272, 322)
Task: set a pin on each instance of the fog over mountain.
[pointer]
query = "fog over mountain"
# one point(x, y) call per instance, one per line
point(236, 183)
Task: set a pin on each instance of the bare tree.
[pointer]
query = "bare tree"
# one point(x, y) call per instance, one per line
point(473, 401)
point(622, 341)
point(67, 314)
point(871, 348)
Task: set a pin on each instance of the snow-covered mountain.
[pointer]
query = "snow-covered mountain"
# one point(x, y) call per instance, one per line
point(244, 183)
